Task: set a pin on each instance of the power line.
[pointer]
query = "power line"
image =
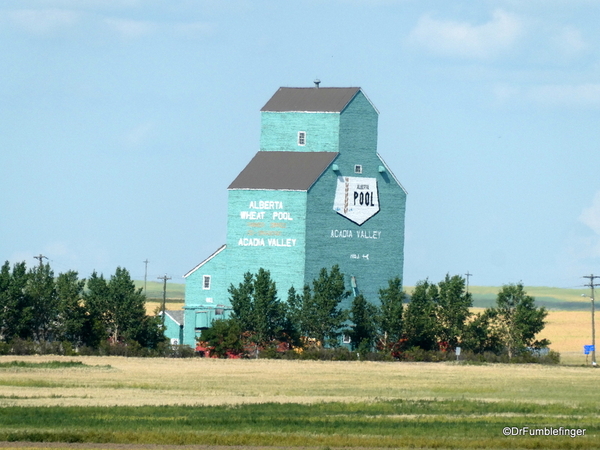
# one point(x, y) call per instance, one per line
point(164, 278)
point(41, 258)
point(468, 275)
point(145, 274)
point(592, 285)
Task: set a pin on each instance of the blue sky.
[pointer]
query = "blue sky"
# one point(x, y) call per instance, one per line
point(123, 122)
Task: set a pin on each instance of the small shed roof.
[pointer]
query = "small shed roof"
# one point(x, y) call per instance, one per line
point(326, 99)
point(289, 171)
point(177, 316)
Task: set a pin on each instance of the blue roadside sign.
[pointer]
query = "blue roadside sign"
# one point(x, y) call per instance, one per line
point(587, 349)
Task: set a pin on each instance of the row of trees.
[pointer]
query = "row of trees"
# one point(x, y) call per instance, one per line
point(35, 305)
point(437, 317)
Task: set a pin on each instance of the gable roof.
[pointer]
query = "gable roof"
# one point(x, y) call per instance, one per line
point(177, 316)
point(289, 171)
point(329, 99)
point(219, 250)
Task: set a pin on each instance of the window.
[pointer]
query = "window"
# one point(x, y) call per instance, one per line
point(301, 137)
point(346, 339)
point(206, 282)
point(209, 300)
point(357, 168)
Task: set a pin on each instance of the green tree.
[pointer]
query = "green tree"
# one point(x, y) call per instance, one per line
point(364, 318)
point(74, 320)
point(120, 307)
point(241, 299)
point(481, 335)
point(420, 321)
point(391, 314)
point(223, 337)
point(98, 305)
point(127, 305)
point(293, 317)
point(16, 311)
point(269, 311)
point(452, 311)
point(518, 319)
point(44, 302)
point(322, 316)
point(257, 308)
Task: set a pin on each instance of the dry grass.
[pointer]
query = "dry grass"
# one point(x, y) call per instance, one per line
point(155, 305)
point(136, 381)
point(568, 331)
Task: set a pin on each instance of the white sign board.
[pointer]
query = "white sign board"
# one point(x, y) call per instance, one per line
point(356, 198)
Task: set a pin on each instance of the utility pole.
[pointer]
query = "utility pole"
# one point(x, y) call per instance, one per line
point(146, 276)
point(165, 278)
point(592, 286)
point(468, 275)
point(41, 258)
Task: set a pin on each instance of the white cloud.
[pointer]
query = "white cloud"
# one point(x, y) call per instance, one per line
point(134, 29)
point(586, 95)
point(139, 134)
point(463, 39)
point(194, 29)
point(131, 28)
point(566, 95)
point(93, 4)
point(505, 93)
point(42, 21)
point(569, 42)
point(591, 216)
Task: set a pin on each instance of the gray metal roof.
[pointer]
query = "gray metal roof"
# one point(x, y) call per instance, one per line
point(330, 99)
point(292, 171)
point(176, 315)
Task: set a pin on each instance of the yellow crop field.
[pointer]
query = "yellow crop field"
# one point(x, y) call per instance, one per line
point(107, 381)
point(155, 305)
point(569, 331)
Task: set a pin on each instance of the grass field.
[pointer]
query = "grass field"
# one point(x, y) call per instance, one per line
point(115, 402)
point(294, 403)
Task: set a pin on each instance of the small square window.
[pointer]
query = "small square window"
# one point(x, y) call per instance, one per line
point(301, 137)
point(206, 282)
point(357, 168)
point(346, 339)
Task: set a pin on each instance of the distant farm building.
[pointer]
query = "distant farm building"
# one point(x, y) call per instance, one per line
point(316, 194)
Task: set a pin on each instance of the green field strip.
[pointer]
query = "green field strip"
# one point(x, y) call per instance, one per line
point(154, 292)
point(420, 424)
point(483, 296)
point(19, 366)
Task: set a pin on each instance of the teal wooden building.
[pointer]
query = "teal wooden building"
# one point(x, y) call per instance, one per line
point(316, 194)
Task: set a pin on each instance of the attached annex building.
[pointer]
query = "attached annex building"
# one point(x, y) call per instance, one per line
point(316, 194)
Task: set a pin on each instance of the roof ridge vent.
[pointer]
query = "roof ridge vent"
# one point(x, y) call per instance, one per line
point(317, 82)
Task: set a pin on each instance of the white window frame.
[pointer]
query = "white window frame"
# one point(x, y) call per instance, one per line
point(205, 285)
point(357, 168)
point(346, 339)
point(302, 138)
